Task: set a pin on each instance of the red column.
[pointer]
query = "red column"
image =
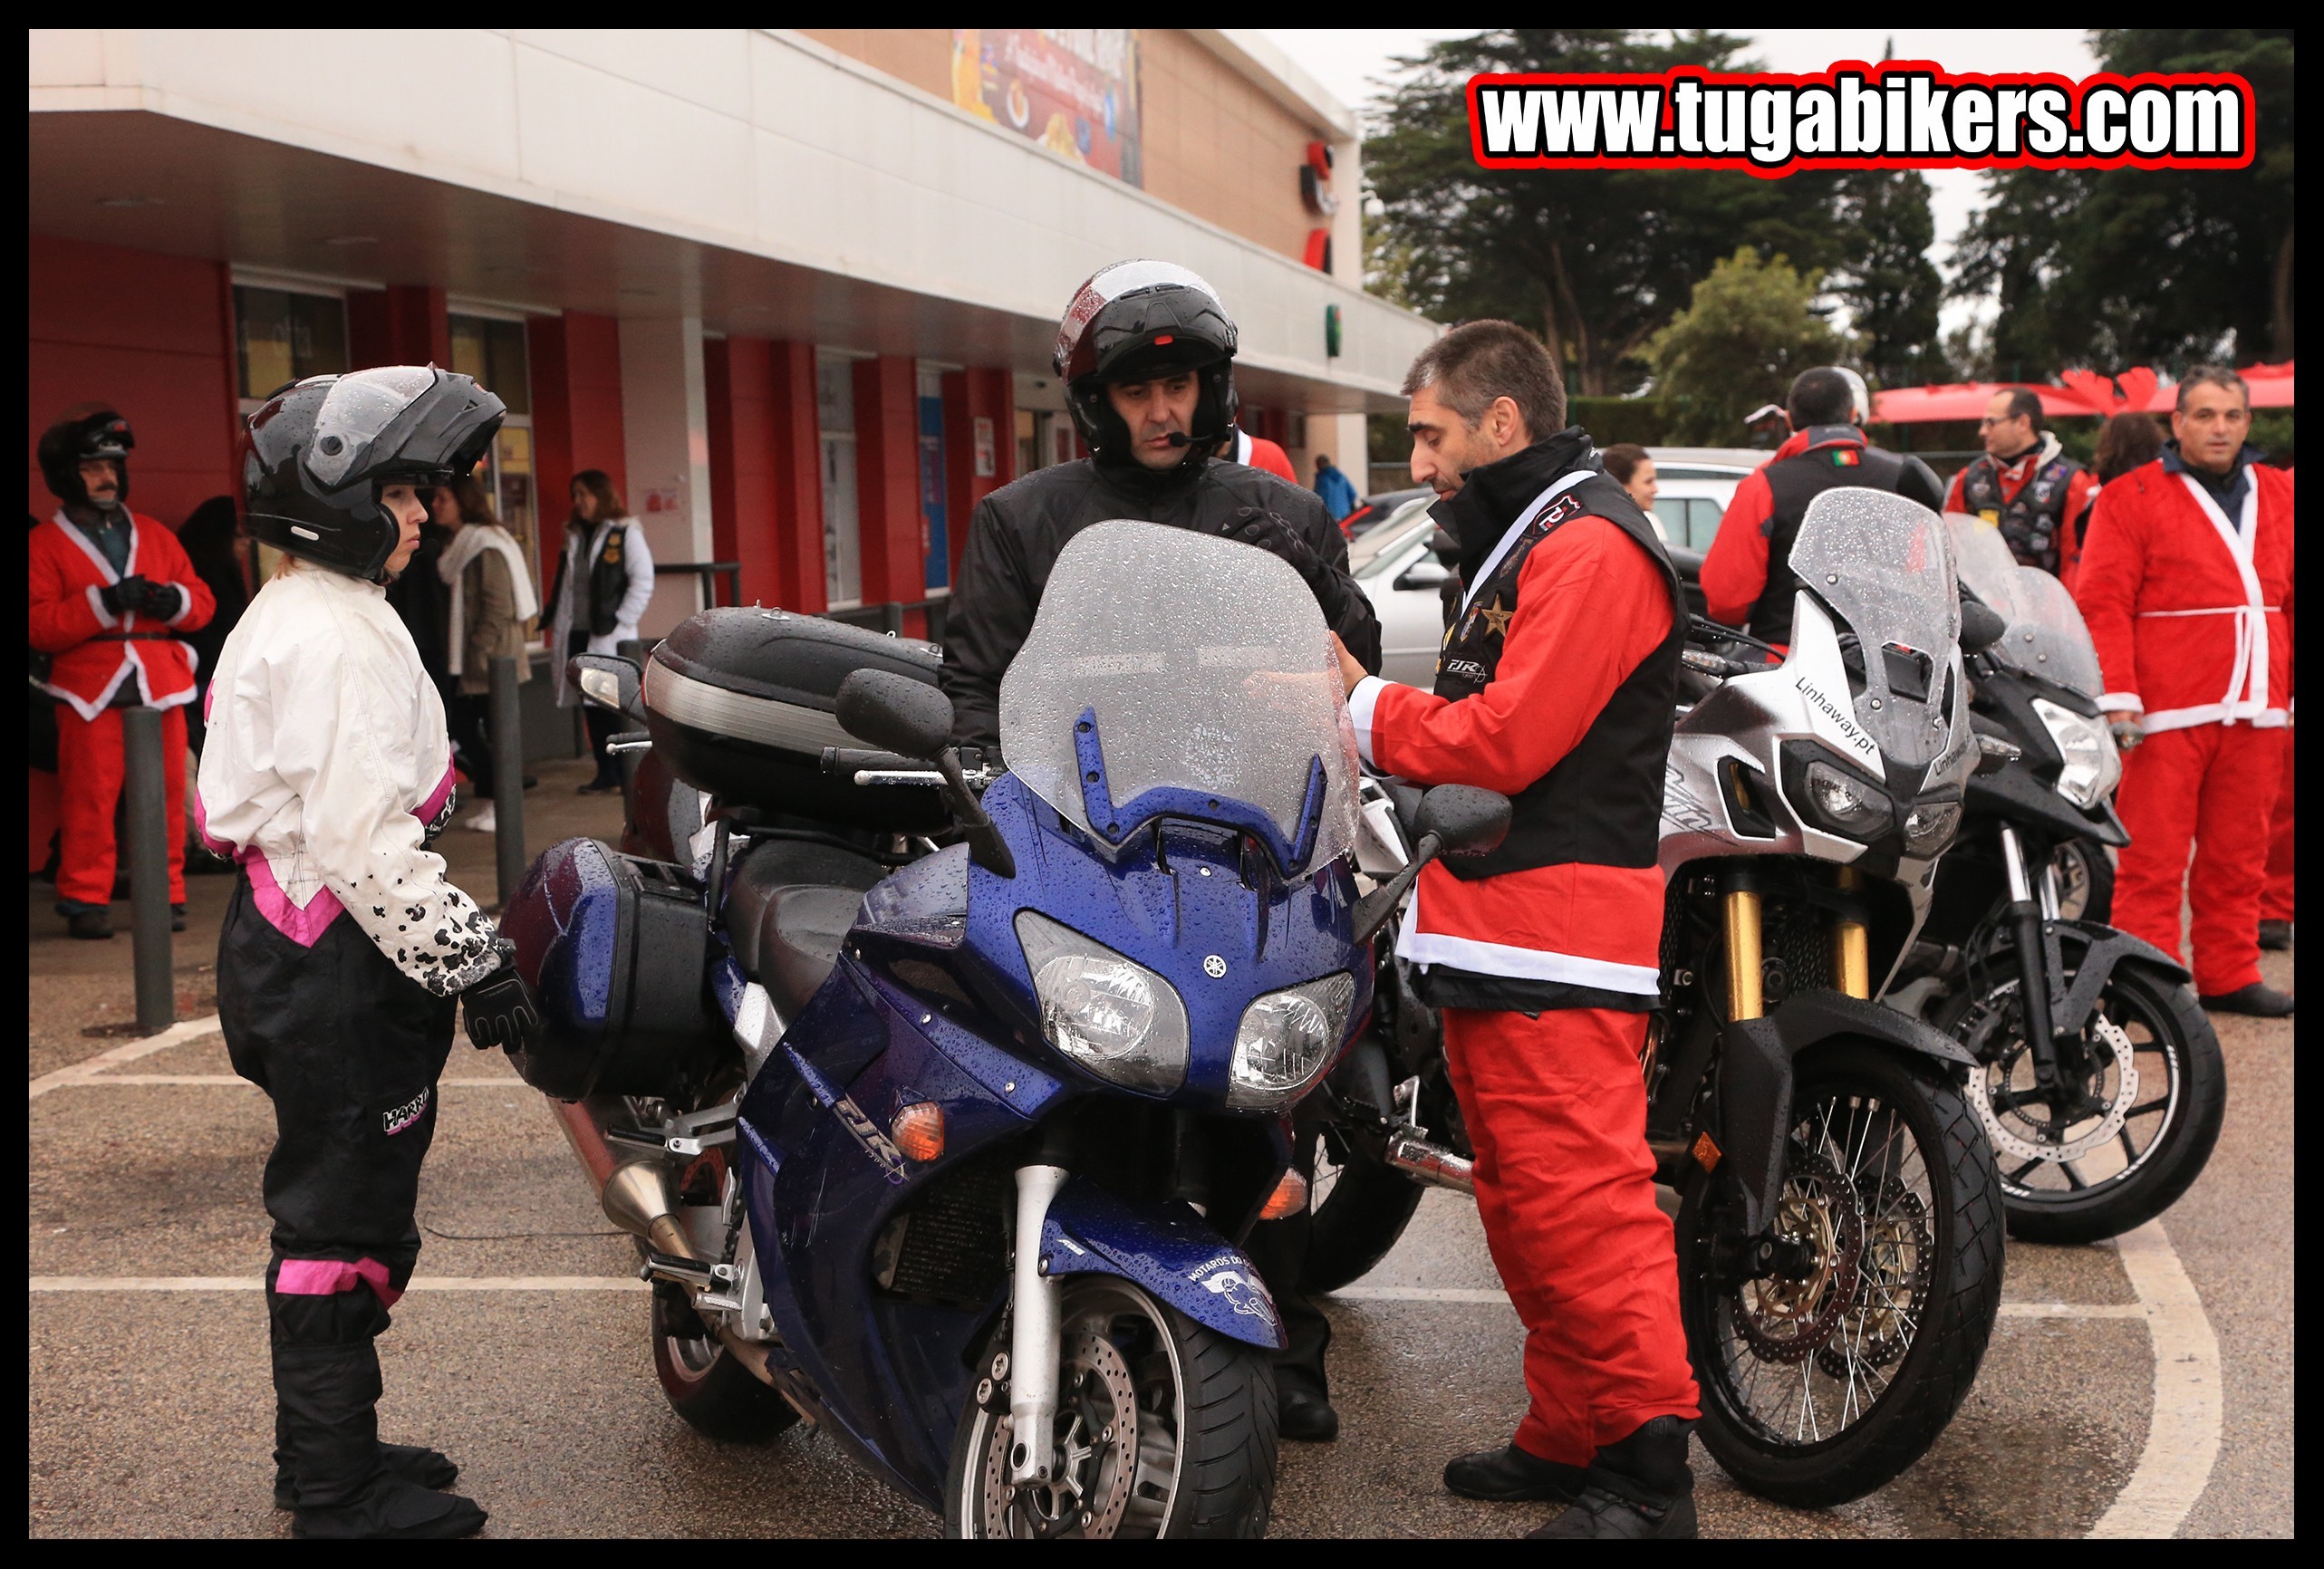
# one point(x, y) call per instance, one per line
point(738, 381)
point(404, 324)
point(575, 361)
point(795, 476)
point(985, 395)
point(887, 482)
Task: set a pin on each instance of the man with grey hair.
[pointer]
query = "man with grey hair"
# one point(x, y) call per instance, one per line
point(2186, 583)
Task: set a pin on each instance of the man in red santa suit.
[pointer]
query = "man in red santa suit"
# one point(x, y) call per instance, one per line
point(2186, 583)
point(112, 591)
point(2275, 904)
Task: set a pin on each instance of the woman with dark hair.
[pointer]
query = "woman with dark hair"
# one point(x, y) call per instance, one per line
point(2125, 441)
point(1632, 468)
point(492, 610)
point(212, 538)
point(604, 580)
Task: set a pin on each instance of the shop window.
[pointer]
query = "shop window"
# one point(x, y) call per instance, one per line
point(493, 351)
point(843, 565)
point(1028, 451)
point(282, 336)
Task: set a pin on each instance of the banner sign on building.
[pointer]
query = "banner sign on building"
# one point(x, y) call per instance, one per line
point(1074, 90)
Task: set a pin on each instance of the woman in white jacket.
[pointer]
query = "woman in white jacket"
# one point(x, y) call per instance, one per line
point(345, 950)
point(604, 582)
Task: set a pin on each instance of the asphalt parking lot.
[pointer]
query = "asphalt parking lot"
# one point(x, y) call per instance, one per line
point(2138, 1390)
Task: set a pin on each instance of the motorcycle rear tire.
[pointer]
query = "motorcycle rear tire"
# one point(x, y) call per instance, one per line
point(1934, 1372)
point(705, 1384)
point(1358, 1221)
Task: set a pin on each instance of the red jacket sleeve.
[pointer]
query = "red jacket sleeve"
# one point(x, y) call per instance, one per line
point(2078, 504)
point(2106, 588)
point(1590, 607)
point(1734, 570)
point(1955, 491)
point(63, 615)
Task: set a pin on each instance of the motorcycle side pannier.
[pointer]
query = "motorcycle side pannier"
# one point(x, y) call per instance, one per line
point(742, 702)
point(613, 947)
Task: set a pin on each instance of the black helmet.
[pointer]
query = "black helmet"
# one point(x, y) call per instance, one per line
point(321, 450)
point(70, 443)
point(1136, 322)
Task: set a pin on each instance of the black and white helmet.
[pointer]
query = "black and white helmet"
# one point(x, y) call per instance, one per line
point(65, 445)
point(1136, 322)
point(321, 449)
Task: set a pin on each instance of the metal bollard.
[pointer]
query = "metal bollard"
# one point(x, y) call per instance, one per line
point(149, 869)
point(507, 776)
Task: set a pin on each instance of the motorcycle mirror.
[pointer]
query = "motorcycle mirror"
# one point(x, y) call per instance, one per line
point(609, 682)
point(895, 712)
point(1464, 818)
point(1981, 626)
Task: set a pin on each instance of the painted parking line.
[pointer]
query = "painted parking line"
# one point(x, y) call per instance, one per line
point(2183, 1436)
point(46, 1284)
point(104, 1081)
point(1490, 1296)
point(127, 1052)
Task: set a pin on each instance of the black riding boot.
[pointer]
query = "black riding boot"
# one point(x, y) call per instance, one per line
point(328, 1430)
point(1640, 1490)
point(413, 1462)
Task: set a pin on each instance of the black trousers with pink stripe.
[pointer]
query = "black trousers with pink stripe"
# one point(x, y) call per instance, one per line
point(349, 1050)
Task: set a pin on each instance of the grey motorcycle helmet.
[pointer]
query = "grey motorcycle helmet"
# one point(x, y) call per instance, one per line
point(1137, 321)
point(321, 449)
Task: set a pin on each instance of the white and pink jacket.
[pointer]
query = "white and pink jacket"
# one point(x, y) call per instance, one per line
point(326, 765)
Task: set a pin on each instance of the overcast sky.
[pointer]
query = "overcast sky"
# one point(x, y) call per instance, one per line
point(1352, 63)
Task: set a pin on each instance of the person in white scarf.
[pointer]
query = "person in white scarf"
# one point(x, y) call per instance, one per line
point(492, 608)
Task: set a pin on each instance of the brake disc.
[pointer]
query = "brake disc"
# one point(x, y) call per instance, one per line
point(1892, 1285)
point(1096, 1453)
point(1997, 1074)
point(1787, 1318)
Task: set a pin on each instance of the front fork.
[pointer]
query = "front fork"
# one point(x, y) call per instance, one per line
point(2030, 906)
point(1033, 1334)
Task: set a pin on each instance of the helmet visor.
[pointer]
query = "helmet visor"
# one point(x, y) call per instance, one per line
point(358, 408)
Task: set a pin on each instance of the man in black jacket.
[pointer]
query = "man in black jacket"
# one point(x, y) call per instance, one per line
point(1147, 356)
point(1146, 352)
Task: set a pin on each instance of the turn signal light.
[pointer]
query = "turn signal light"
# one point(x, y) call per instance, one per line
point(1289, 1198)
point(918, 1131)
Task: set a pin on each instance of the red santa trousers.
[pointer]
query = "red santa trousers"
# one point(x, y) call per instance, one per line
point(2214, 787)
point(2275, 902)
point(89, 769)
point(1556, 1113)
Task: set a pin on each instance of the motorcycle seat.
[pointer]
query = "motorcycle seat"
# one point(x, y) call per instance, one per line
point(788, 911)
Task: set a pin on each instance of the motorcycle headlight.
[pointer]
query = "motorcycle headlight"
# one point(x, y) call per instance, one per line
point(1930, 826)
point(1285, 1042)
point(2093, 767)
point(1113, 1016)
point(1847, 804)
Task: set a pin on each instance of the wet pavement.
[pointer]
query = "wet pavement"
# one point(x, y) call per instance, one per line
point(150, 1413)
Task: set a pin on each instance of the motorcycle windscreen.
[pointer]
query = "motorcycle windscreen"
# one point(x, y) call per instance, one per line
point(1884, 565)
point(2049, 638)
point(1172, 672)
point(1981, 556)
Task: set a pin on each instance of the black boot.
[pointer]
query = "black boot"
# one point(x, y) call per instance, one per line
point(1512, 1475)
point(328, 1431)
point(93, 922)
point(2275, 935)
point(176, 917)
point(2259, 1000)
point(429, 1468)
point(1304, 1413)
point(1638, 1490)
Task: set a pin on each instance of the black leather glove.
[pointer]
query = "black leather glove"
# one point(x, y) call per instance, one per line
point(500, 1008)
point(130, 594)
point(1257, 526)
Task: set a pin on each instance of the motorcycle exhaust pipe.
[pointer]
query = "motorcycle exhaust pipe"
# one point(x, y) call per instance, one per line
point(634, 1194)
point(1431, 1163)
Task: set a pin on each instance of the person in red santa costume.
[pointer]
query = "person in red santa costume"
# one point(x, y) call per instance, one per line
point(112, 592)
point(2185, 582)
point(1555, 687)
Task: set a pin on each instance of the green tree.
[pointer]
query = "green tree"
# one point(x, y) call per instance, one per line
point(2111, 268)
point(1595, 260)
point(1751, 326)
point(1892, 288)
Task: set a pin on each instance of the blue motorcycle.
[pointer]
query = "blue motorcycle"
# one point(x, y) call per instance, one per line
point(948, 1147)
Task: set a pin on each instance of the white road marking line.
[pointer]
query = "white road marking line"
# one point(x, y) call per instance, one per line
point(55, 1282)
point(2072, 1310)
point(2183, 1435)
point(1483, 1295)
point(101, 1080)
point(127, 1052)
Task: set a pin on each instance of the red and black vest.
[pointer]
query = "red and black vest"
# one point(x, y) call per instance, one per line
point(1836, 455)
point(2030, 524)
point(1602, 804)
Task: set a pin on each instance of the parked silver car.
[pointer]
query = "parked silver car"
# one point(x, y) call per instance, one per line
point(1397, 569)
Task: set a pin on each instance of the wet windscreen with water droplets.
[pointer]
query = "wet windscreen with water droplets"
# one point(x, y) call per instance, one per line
point(1885, 566)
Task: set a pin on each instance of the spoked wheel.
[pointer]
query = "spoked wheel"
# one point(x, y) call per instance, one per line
point(1830, 1359)
point(1164, 1429)
point(708, 1389)
point(2148, 1092)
